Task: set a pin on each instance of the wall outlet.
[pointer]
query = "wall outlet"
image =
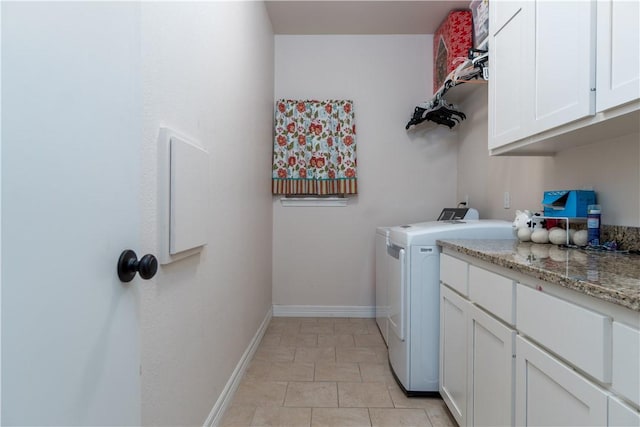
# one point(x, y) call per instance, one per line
point(507, 200)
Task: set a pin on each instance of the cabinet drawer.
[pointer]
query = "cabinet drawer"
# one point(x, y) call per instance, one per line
point(626, 368)
point(455, 273)
point(580, 336)
point(493, 292)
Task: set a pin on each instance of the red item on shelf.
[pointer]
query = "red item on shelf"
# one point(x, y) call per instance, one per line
point(550, 223)
point(452, 40)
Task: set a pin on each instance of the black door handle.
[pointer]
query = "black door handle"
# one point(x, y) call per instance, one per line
point(128, 266)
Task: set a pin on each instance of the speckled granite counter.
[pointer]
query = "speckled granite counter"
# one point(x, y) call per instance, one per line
point(611, 277)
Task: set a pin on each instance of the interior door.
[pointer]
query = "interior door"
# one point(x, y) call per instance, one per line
point(71, 132)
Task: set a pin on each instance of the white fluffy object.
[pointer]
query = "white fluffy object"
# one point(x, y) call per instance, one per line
point(580, 238)
point(540, 235)
point(524, 234)
point(557, 236)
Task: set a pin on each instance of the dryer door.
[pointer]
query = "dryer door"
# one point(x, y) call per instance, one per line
point(397, 290)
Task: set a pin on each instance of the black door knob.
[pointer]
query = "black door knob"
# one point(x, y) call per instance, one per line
point(128, 266)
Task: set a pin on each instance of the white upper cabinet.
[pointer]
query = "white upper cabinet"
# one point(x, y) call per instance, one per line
point(563, 45)
point(509, 66)
point(618, 52)
point(542, 68)
point(562, 73)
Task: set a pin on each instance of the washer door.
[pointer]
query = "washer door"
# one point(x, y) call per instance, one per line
point(397, 290)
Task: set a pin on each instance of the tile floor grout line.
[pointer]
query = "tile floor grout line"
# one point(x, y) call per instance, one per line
point(284, 399)
point(437, 409)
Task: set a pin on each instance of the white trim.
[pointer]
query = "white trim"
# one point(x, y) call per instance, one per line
point(219, 408)
point(363, 311)
point(314, 201)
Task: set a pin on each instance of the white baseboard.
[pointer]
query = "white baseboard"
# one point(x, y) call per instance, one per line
point(216, 414)
point(324, 311)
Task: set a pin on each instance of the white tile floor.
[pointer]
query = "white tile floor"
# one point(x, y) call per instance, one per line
point(326, 372)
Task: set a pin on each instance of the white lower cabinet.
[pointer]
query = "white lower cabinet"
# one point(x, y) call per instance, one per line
point(626, 362)
point(622, 415)
point(476, 363)
point(514, 354)
point(453, 353)
point(491, 367)
point(575, 333)
point(549, 393)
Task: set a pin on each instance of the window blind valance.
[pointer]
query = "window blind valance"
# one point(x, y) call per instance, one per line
point(314, 148)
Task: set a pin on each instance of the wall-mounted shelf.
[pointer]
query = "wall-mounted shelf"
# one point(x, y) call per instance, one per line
point(460, 82)
point(461, 92)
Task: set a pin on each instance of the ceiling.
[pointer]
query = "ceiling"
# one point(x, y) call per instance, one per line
point(359, 16)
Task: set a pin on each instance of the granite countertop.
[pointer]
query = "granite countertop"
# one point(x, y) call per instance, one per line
point(611, 277)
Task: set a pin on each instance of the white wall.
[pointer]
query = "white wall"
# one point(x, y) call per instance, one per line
point(325, 256)
point(485, 179)
point(207, 73)
point(611, 168)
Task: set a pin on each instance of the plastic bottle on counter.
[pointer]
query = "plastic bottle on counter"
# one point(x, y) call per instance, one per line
point(593, 225)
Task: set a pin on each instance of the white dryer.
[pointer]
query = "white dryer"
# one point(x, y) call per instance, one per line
point(413, 316)
point(382, 241)
point(382, 265)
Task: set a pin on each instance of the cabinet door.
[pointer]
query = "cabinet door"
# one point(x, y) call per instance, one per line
point(548, 393)
point(511, 65)
point(453, 353)
point(564, 71)
point(618, 53)
point(621, 415)
point(625, 375)
point(491, 366)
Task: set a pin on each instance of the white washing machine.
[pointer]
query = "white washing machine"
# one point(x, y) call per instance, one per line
point(413, 313)
point(382, 263)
